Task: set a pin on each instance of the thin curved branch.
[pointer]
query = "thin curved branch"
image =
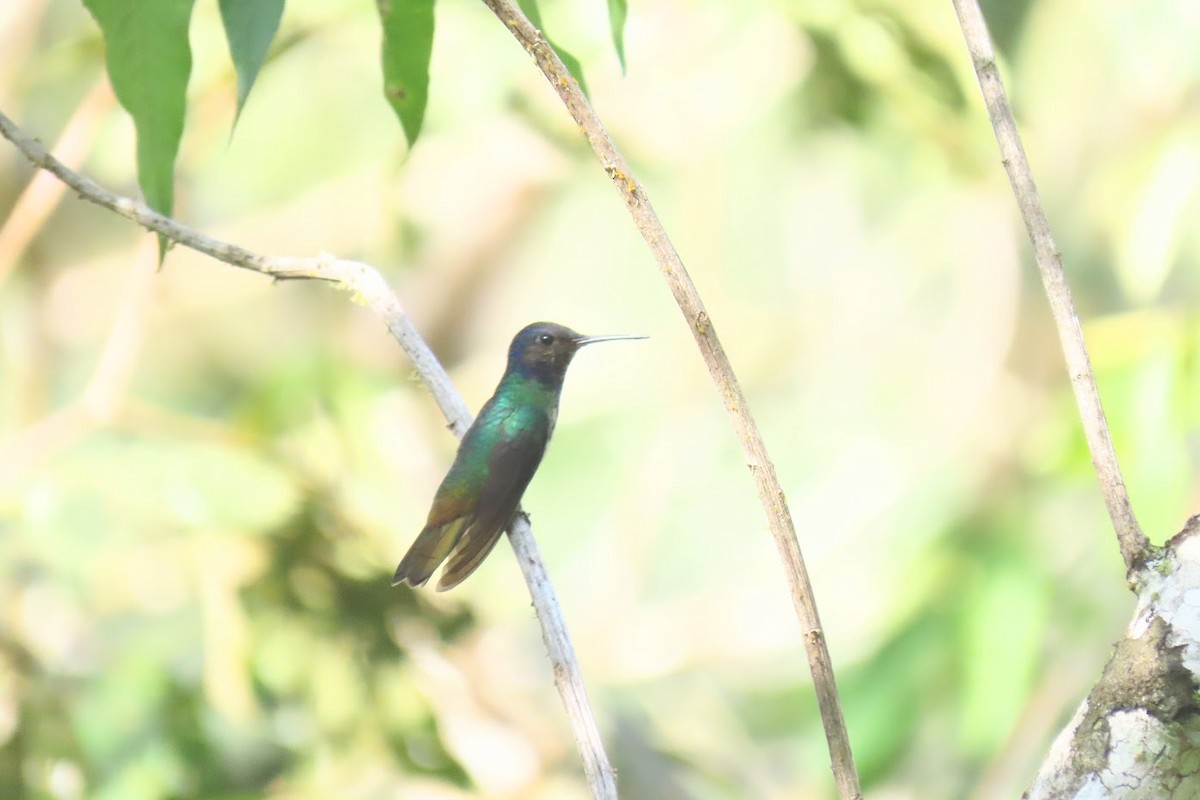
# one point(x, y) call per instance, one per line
point(1135, 547)
point(365, 281)
point(770, 493)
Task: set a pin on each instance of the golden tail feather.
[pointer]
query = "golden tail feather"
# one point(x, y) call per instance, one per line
point(431, 547)
point(470, 551)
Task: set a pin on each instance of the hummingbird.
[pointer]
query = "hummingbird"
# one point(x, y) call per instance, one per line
point(496, 459)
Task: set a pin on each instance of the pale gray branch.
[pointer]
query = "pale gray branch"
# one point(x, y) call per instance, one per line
point(688, 298)
point(367, 283)
point(1135, 735)
point(1135, 547)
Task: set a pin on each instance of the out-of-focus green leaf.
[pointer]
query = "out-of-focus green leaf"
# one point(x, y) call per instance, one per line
point(646, 767)
point(1150, 238)
point(530, 7)
point(1006, 21)
point(407, 47)
point(125, 487)
point(1151, 440)
point(149, 61)
point(618, 11)
point(250, 25)
point(883, 713)
point(1002, 624)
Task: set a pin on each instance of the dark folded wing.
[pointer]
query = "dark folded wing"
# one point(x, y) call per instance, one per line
point(515, 457)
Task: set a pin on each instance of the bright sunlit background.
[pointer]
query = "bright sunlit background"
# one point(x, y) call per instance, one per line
point(206, 480)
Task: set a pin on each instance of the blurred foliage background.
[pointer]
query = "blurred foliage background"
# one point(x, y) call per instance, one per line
point(206, 479)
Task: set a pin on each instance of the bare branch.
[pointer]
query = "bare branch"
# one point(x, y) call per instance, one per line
point(688, 298)
point(1135, 547)
point(366, 282)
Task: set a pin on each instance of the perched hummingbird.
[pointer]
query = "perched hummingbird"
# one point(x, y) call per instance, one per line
point(498, 455)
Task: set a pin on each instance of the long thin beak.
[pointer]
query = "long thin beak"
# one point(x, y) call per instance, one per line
point(582, 340)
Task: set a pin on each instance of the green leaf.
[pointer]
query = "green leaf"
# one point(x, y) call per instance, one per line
point(618, 11)
point(250, 25)
point(530, 7)
point(407, 47)
point(149, 61)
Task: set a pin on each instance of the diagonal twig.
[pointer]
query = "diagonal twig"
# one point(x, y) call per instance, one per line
point(688, 298)
point(365, 281)
point(1135, 547)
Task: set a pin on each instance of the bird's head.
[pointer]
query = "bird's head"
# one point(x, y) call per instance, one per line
point(544, 350)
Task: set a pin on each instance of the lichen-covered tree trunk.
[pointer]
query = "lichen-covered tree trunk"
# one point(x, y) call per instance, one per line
point(1137, 734)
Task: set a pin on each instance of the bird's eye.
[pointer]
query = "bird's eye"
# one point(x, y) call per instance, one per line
point(546, 339)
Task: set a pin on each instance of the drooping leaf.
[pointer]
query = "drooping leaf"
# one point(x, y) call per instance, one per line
point(618, 11)
point(407, 47)
point(250, 25)
point(149, 61)
point(530, 7)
